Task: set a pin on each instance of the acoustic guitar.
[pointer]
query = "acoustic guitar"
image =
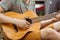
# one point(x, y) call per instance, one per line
point(14, 32)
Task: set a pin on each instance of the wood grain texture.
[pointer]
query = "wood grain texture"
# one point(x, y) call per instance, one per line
point(9, 30)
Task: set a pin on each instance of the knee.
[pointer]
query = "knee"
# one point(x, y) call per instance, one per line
point(47, 32)
point(57, 26)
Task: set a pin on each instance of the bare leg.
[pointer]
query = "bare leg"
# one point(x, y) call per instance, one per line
point(48, 33)
point(57, 26)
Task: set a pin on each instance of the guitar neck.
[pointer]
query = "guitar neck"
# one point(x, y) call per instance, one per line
point(45, 17)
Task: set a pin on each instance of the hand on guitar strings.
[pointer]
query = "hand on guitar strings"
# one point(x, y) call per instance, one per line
point(23, 24)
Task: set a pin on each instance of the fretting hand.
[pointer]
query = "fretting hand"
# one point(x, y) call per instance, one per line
point(57, 17)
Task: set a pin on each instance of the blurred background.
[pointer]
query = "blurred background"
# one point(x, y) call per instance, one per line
point(46, 6)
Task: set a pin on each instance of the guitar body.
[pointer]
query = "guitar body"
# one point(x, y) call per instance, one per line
point(9, 29)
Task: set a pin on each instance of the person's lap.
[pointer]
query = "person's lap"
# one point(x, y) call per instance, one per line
point(46, 33)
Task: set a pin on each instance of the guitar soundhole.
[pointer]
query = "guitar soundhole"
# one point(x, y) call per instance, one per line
point(29, 20)
point(15, 27)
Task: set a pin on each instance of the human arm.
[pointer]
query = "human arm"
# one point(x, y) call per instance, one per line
point(21, 23)
point(5, 5)
point(50, 21)
point(47, 22)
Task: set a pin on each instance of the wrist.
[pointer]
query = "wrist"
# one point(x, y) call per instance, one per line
point(13, 21)
point(54, 19)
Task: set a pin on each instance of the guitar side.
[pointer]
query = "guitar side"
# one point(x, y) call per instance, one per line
point(9, 30)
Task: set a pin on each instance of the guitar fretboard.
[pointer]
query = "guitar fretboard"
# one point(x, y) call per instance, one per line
point(45, 17)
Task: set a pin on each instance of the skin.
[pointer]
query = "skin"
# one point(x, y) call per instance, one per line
point(50, 34)
point(21, 23)
point(25, 25)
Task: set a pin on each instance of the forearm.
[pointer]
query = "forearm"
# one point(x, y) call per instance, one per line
point(5, 19)
point(47, 22)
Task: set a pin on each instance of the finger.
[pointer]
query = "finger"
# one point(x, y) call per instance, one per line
point(27, 27)
point(23, 27)
point(28, 23)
